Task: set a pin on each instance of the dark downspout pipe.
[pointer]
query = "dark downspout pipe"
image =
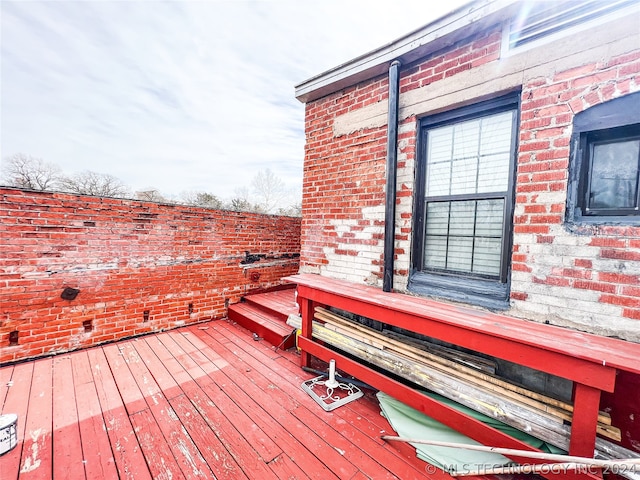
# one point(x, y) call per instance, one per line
point(392, 168)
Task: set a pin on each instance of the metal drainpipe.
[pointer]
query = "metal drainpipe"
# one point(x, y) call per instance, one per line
point(392, 168)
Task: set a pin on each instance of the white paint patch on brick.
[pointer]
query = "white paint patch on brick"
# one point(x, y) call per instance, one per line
point(599, 319)
point(359, 268)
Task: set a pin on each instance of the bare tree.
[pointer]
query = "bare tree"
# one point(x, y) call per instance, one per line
point(94, 183)
point(201, 199)
point(238, 204)
point(25, 171)
point(150, 195)
point(268, 189)
point(294, 210)
point(240, 201)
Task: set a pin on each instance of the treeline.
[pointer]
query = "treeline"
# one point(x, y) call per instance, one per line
point(266, 194)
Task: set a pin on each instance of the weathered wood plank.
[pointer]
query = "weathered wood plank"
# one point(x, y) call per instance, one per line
point(354, 420)
point(161, 462)
point(132, 397)
point(127, 453)
point(351, 452)
point(544, 406)
point(284, 467)
point(234, 442)
point(67, 447)
point(99, 461)
point(179, 374)
point(243, 422)
point(5, 382)
point(161, 375)
point(288, 382)
point(211, 448)
point(17, 401)
point(37, 450)
point(181, 445)
point(295, 438)
point(242, 451)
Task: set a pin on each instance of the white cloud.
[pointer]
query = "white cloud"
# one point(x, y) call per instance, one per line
point(178, 95)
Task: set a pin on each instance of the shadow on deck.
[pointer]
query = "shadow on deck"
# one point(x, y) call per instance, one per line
point(204, 401)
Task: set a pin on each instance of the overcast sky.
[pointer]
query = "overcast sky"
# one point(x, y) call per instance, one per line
point(179, 95)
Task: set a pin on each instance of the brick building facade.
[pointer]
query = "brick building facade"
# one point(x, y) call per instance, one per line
point(77, 271)
point(517, 160)
point(553, 259)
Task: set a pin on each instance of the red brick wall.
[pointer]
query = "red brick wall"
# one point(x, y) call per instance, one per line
point(344, 171)
point(603, 262)
point(126, 258)
point(343, 177)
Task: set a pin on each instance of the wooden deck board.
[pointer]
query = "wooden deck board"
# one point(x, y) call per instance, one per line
point(67, 447)
point(5, 383)
point(219, 392)
point(294, 376)
point(295, 438)
point(211, 448)
point(292, 390)
point(17, 401)
point(96, 450)
point(205, 401)
point(157, 453)
point(37, 459)
point(125, 446)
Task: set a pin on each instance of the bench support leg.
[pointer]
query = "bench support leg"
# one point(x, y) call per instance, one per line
point(307, 310)
point(586, 403)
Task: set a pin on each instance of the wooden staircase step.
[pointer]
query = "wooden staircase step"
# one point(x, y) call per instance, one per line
point(280, 303)
point(265, 324)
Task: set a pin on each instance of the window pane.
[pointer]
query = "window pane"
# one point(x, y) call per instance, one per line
point(614, 175)
point(459, 254)
point(490, 215)
point(466, 136)
point(462, 218)
point(439, 166)
point(464, 236)
point(470, 157)
point(438, 218)
point(486, 256)
point(493, 173)
point(464, 176)
point(496, 134)
point(435, 256)
point(438, 179)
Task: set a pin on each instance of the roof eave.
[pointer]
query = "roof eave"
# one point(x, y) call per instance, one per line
point(445, 31)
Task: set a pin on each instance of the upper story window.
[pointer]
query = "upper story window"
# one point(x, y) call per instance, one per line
point(604, 184)
point(540, 21)
point(462, 236)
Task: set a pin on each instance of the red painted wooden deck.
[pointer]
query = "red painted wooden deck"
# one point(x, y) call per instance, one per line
point(205, 401)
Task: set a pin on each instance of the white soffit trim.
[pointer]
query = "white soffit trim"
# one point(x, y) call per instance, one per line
point(459, 24)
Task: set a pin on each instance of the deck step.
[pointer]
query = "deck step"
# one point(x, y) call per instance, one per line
point(265, 314)
point(280, 303)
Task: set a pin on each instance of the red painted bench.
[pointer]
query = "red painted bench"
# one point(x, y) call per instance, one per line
point(590, 361)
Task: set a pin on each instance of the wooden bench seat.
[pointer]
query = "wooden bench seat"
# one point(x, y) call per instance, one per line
point(590, 361)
